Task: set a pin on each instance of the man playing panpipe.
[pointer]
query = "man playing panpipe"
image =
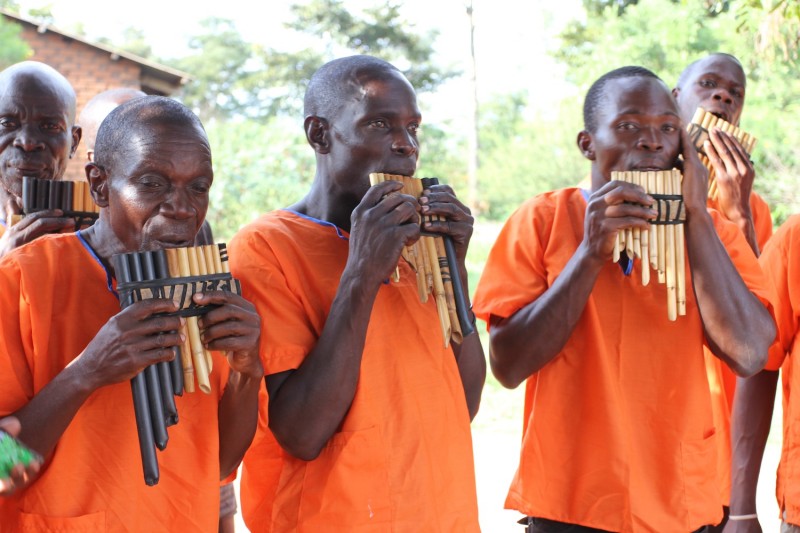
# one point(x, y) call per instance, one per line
point(717, 83)
point(67, 352)
point(618, 430)
point(38, 135)
point(371, 410)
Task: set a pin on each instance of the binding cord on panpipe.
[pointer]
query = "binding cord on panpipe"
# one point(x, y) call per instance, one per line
point(699, 129)
point(175, 274)
point(74, 198)
point(433, 258)
point(662, 246)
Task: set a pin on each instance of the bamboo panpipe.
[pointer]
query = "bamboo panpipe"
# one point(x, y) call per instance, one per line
point(176, 274)
point(662, 247)
point(74, 198)
point(433, 259)
point(699, 129)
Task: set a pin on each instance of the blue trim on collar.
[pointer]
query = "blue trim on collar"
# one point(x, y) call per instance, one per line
point(109, 277)
point(3, 222)
point(321, 223)
point(586, 194)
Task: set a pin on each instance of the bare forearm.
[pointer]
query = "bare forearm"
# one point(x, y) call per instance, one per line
point(238, 416)
point(750, 424)
point(472, 369)
point(738, 327)
point(529, 339)
point(307, 406)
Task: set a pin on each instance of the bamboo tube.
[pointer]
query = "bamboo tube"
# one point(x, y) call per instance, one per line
point(651, 188)
point(438, 290)
point(637, 232)
point(662, 238)
point(188, 266)
point(450, 298)
point(186, 350)
point(202, 270)
point(78, 199)
point(680, 258)
point(672, 298)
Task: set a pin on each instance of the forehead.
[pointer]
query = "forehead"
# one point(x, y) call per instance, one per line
point(390, 92)
point(167, 147)
point(639, 95)
point(719, 66)
point(26, 90)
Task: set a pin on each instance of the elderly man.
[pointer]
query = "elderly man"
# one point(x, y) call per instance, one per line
point(67, 351)
point(38, 135)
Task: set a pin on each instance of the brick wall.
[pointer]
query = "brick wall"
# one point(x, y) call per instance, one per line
point(89, 70)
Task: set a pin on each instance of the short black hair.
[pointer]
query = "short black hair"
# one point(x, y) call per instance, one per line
point(127, 119)
point(690, 69)
point(334, 82)
point(597, 91)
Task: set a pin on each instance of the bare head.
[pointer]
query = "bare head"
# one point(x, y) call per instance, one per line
point(98, 108)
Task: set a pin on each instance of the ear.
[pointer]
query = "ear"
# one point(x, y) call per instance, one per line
point(98, 183)
point(317, 131)
point(586, 145)
point(675, 92)
point(76, 139)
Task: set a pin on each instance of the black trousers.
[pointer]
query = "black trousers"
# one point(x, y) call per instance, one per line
point(543, 525)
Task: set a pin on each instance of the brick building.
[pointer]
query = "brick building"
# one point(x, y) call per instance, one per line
point(93, 68)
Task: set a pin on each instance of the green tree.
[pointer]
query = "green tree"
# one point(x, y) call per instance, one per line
point(13, 48)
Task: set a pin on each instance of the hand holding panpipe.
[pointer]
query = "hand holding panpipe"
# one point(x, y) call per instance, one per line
point(663, 245)
point(176, 274)
point(74, 198)
point(699, 129)
point(434, 260)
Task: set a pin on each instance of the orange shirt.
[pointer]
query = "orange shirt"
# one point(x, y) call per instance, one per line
point(618, 432)
point(721, 378)
point(402, 458)
point(54, 297)
point(781, 263)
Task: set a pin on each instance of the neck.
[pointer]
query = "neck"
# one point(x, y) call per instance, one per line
point(323, 203)
point(9, 204)
point(598, 180)
point(103, 241)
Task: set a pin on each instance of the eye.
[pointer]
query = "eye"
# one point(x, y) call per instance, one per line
point(627, 126)
point(669, 128)
point(51, 126)
point(380, 123)
point(201, 187)
point(8, 123)
point(413, 128)
point(737, 93)
point(707, 83)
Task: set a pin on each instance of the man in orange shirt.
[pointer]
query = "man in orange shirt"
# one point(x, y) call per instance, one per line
point(38, 135)
point(755, 396)
point(67, 351)
point(371, 410)
point(618, 432)
point(717, 83)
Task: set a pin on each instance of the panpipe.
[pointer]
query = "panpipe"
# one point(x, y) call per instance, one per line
point(176, 274)
point(74, 198)
point(433, 259)
point(699, 129)
point(662, 245)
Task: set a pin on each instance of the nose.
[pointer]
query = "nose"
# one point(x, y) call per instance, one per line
point(28, 139)
point(650, 140)
point(403, 143)
point(722, 95)
point(177, 205)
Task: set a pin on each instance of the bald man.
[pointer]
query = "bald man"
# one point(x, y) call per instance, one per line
point(717, 83)
point(97, 109)
point(37, 138)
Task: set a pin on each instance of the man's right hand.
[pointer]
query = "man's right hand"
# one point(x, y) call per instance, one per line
point(32, 227)
point(380, 226)
point(613, 207)
point(130, 341)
